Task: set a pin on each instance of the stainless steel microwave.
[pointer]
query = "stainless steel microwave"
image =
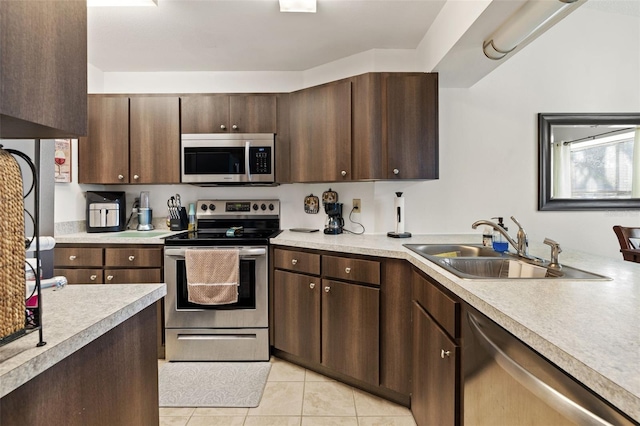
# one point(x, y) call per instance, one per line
point(228, 158)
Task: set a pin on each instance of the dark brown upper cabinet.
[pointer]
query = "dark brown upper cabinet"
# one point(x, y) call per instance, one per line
point(132, 139)
point(395, 126)
point(320, 126)
point(255, 113)
point(43, 63)
point(375, 126)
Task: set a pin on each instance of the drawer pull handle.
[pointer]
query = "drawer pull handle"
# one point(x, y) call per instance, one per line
point(136, 177)
point(131, 258)
point(72, 257)
point(294, 261)
point(223, 127)
point(109, 277)
point(444, 354)
point(347, 270)
point(343, 173)
point(120, 177)
point(326, 289)
point(312, 285)
point(93, 277)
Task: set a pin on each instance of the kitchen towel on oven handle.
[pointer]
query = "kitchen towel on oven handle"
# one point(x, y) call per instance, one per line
point(212, 276)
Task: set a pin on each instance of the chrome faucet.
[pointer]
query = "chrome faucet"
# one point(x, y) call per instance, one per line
point(521, 245)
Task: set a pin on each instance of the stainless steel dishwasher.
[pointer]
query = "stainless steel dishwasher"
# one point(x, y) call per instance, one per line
point(505, 382)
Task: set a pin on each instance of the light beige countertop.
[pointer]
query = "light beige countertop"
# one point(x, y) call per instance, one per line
point(590, 329)
point(73, 317)
point(155, 236)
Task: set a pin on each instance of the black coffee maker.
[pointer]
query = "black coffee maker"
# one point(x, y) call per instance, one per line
point(333, 209)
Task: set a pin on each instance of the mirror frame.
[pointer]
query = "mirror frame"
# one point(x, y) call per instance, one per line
point(545, 121)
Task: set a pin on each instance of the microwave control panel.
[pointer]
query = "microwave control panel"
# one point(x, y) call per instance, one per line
point(260, 160)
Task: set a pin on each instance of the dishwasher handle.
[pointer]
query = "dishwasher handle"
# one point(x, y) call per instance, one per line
point(244, 252)
point(549, 395)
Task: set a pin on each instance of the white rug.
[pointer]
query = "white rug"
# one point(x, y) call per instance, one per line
point(212, 384)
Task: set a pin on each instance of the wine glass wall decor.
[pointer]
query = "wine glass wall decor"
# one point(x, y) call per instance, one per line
point(62, 158)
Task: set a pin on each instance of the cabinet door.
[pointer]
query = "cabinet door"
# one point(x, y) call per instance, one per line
point(321, 133)
point(155, 140)
point(296, 302)
point(43, 78)
point(350, 330)
point(205, 114)
point(395, 326)
point(435, 372)
point(103, 155)
point(253, 113)
point(132, 276)
point(411, 126)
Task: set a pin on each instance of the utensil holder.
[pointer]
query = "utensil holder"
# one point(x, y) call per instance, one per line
point(181, 223)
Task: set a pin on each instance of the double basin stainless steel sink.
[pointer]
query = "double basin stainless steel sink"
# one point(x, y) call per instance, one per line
point(475, 262)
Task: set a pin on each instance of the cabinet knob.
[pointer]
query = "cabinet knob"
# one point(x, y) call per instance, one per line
point(312, 285)
point(326, 289)
point(136, 177)
point(120, 177)
point(347, 270)
point(109, 277)
point(343, 173)
point(444, 354)
point(93, 277)
point(73, 257)
point(131, 258)
point(294, 261)
point(223, 127)
point(234, 127)
point(396, 171)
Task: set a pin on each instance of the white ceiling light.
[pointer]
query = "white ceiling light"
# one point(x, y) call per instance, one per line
point(523, 24)
point(298, 6)
point(117, 3)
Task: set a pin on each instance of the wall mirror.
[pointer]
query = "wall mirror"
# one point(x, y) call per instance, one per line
point(589, 161)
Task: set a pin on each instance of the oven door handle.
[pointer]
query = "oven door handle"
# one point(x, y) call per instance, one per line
point(244, 252)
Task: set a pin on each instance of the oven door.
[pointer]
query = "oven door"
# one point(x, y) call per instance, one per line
point(249, 312)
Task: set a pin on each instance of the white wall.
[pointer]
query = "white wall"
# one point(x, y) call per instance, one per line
point(488, 135)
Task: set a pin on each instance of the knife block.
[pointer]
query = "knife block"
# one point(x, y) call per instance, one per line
point(182, 223)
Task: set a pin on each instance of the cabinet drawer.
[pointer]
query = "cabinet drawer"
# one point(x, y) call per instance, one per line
point(132, 276)
point(297, 261)
point(344, 268)
point(444, 309)
point(133, 257)
point(81, 276)
point(78, 256)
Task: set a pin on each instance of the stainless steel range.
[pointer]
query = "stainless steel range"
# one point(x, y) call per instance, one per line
point(225, 332)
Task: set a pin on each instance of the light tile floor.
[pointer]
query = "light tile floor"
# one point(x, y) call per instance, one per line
point(294, 396)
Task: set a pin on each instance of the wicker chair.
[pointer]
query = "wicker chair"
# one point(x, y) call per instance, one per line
point(629, 239)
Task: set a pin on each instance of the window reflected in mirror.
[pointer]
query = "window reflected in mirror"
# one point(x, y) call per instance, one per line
point(589, 161)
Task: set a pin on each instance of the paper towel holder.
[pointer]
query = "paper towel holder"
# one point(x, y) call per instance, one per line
point(399, 213)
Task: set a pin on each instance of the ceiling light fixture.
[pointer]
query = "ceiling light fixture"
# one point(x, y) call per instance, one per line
point(525, 22)
point(117, 3)
point(308, 6)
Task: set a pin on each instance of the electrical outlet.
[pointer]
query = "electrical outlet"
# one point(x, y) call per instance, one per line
point(356, 205)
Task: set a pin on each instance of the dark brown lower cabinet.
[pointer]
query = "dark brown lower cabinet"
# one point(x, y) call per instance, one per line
point(111, 381)
point(435, 373)
point(296, 313)
point(350, 329)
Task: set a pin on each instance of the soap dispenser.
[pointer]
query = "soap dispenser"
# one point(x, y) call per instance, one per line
point(500, 243)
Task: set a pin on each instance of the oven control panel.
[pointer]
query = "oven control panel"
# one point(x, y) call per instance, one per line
point(218, 208)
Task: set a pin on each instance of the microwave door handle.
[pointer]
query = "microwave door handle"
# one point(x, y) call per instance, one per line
point(247, 163)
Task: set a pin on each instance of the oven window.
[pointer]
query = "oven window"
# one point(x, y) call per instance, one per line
point(246, 289)
point(214, 161)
